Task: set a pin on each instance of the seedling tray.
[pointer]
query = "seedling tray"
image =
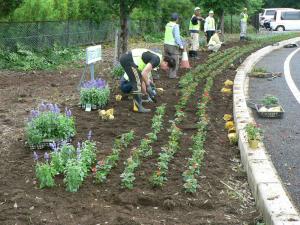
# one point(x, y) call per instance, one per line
point(266, 114)
point(46, 144)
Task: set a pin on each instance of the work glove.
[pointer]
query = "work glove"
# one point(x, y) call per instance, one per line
point(151, 93)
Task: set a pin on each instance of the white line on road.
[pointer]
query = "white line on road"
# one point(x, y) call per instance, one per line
point(288, 78)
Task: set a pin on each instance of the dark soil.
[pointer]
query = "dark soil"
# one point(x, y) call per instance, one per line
point(22, 202)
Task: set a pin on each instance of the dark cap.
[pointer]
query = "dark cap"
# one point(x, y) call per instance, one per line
point(174, 16)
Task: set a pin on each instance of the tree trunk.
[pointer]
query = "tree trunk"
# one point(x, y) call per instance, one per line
point(124, 26)
point(222, 22)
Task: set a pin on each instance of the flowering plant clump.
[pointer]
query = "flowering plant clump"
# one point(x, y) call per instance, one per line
point(104, 167)
point(144, 150)
point(253, 131)
point(44, 172)
point(95, 92)
point(48, 122)
point(74, 163)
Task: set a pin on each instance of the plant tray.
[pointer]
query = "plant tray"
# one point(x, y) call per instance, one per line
point(255, 106)
point(94, 107)
point(46, 144)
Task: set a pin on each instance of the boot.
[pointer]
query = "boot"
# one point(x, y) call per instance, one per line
point(137, 105)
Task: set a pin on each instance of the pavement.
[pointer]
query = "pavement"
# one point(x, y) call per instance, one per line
point(281, 136)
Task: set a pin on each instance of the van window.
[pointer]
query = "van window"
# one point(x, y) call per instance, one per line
point(270, 12)
point(290, 16)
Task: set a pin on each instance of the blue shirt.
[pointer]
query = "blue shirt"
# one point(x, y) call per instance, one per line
point(176, 34)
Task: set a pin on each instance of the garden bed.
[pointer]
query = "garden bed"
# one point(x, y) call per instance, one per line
point(223, 196)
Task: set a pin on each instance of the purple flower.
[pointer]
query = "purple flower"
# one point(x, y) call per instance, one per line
point(98, 83)
point(42, 107)
point(34, 113)
point(56, 109)
point(50, 107)
point(46, 156)
point(89, 136)
point(35, 156)
point(53, 146)
point(68, 113)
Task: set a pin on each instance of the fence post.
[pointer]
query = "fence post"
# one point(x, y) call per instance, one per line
point(117, 47)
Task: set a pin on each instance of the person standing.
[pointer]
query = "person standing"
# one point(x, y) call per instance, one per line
point(173, 43)
point(194, 29)
point(210, 25)
point(243, 23)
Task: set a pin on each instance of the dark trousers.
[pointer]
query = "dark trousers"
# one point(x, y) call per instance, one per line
point(209, 34)
point(130, 68)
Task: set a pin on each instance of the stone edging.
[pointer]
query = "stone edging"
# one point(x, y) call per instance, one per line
point(267, 189)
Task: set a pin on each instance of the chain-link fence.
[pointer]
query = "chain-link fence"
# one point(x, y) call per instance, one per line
point(41, 35)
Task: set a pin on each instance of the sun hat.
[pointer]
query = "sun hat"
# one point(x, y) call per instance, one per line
point(211, 12)
point(197, 8)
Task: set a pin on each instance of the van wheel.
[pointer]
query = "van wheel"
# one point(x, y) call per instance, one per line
point(280, 28)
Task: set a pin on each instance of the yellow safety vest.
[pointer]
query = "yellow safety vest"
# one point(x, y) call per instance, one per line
point(244, 17)
point(169, 37)
point(210, 23)
point(137, 57)
point(194, 27)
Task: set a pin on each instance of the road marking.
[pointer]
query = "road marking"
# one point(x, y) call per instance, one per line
point(288, 78)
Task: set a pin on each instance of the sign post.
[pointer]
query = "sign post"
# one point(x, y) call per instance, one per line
point(93, 55)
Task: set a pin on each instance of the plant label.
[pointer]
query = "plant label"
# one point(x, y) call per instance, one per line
point(88, 107)
point(93, 54)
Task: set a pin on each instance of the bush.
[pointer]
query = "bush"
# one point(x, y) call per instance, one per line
point(117, 71)
point(47, 122)
point(95, 92)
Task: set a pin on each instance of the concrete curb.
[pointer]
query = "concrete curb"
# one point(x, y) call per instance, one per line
point(268, 191)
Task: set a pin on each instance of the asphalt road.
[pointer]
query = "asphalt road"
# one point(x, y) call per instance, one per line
point(281, 136)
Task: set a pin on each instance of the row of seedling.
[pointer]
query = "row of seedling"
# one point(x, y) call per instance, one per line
point(144, 150)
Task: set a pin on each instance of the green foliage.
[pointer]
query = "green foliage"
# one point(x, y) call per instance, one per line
point(95, 96)
point(74, 175)
point(45, 174)
point(8, 6)
point(253, 131)
point(24, 59)
point(49, 125)
point(259, 70)
point(270, 100)
point(118, 71)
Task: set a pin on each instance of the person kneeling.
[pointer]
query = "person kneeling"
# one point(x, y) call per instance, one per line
point(138, 64)
point(214, 43)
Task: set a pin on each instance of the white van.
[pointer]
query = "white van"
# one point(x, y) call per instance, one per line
point(269, 14)
point(286, 20)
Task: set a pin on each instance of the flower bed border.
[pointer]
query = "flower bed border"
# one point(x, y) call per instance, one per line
point(266, 186)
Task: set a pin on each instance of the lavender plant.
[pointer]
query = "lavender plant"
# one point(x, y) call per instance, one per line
point(95, 92)
point(44, 171)
point(74, 175)
point(48, 122)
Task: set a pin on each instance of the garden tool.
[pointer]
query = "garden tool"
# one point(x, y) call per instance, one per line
point(185, 61)
point(137, 104)
point(151, 92)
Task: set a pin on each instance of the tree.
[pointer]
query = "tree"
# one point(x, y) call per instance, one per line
point(8, 6)
point(125, 8)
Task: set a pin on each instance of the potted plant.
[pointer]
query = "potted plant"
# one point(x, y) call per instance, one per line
point(94, 92)
point(254, 134)
point(48, 124)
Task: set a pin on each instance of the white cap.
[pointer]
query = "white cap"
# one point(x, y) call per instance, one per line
point(211, 12)
point(197, 8)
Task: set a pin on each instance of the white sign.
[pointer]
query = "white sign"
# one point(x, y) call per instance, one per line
point(93, 54)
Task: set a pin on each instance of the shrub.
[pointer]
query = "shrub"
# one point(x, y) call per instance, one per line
point(95, 92)
point(117, 71)
point(47, 122)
